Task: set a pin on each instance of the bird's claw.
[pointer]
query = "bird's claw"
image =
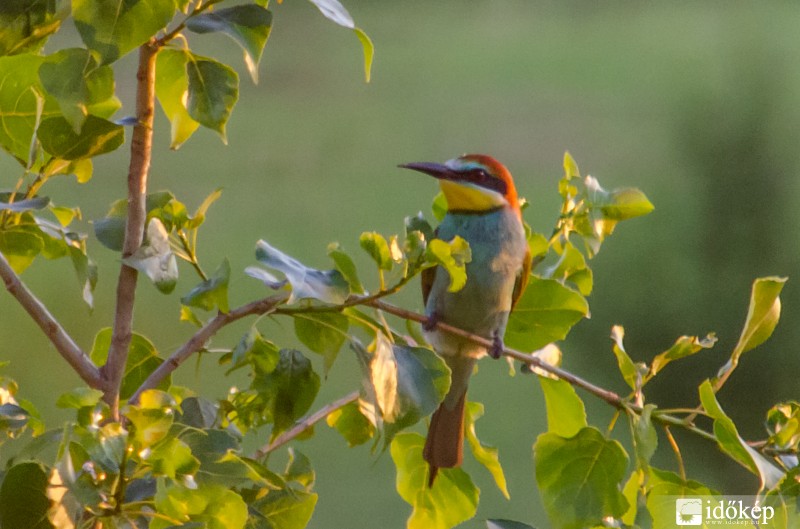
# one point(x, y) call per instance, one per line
point(430, 324)
point(496, 351)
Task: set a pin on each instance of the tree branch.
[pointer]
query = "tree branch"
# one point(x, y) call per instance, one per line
point(305, 424)
point(141, 147)
point(62, 341)
point(609, 396)
point(199, 339)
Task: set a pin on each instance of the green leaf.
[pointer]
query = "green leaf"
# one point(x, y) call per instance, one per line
point(453, 499)
point(172, 88)
point(453, 256)
point(172, 458)
point(28, 23)
point(376, 246)
point(335, 11)
point(571, 266)
point(249, 25)
point(783, 425)
point(155, 258)
point(369, 52)
point(732, 444)
point(645, 438)
point(498, 523)
point(110, 230)
point(783, 499)
point(80, 85)
point(683, 347)
point(23, 497)
point(98, 136)
point(663, 489)
point(212, 505)
point(409, 383)
point(78, 398)
point(299, 469)
point(22, 106)
point(354, 426)
point(20, 247)
point(213, 91)
point(626, 365)
point(545, 313)
point(254, 350)
point(212, 292)
point(485, 455)
point(328, 286)
point(762, 317)
point(566, 415)
point(322, 332)
point(143, 359)
point(580, 478)
point(289, 390)
point(112, 28)
point(13, 418)
point(631, 493)
point(283, 509)
point(439, 206)
point(345, 265)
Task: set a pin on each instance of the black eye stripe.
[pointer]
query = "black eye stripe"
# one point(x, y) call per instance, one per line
point(484, 179)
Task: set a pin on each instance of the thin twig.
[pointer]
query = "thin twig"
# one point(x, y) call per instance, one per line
point(62, 341)
point(305, 424)
point(199, 339)
point(141, 149)
point(677, 450)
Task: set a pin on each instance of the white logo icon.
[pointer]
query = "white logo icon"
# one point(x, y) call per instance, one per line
point(689, 511)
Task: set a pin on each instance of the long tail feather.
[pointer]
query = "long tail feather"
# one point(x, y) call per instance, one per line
point(445, 441)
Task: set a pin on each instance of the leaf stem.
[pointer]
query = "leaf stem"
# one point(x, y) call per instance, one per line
point(677, 450)
point(141, 150)
point(62, 341)
point(305, 424)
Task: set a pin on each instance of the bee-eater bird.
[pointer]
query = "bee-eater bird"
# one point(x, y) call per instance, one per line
point(483, 209)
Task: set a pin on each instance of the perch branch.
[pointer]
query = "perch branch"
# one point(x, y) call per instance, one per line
point(62, 341)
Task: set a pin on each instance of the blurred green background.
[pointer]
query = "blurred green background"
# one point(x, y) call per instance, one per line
point(694, 103)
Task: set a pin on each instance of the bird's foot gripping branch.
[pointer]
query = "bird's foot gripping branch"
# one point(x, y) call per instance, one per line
point(176, 456)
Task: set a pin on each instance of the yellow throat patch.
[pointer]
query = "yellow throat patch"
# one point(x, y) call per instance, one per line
point(467, 197)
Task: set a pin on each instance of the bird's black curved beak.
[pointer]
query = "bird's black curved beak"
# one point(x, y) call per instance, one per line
point(436, 170)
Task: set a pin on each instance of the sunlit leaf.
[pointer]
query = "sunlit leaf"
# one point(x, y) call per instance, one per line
point(213, 91)
point(545, 313)
point(212, 505)
point(172, 91)
point(172, 458)
point(112, 28)
point(580, 478)
point(354, 426)
point(335, 11)
point(283, 509)
point(487, 456)
point(212, 292)
point(452, 256)
point(452, 499)
point(732, 444)
point(683, 347)
point(626, 365)
point(254, 350)
point(663, 488)
point(376, 246)
point(566, 415)
point(249, 25)
point(762, 317)
point(142, 360)
point(328, 286)
point(369, 51)
point(20, 247)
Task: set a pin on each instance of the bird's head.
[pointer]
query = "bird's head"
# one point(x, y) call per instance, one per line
point(472, 183)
